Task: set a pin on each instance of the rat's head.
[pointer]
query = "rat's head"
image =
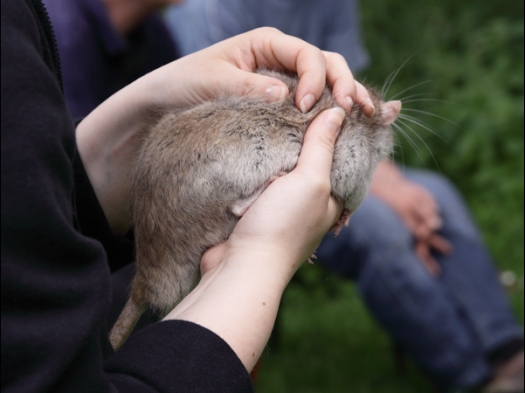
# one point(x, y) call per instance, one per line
point(362, 143)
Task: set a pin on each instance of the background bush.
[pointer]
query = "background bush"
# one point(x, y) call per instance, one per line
point(471, 54)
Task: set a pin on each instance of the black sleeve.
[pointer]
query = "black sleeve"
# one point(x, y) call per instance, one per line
point(55, 280)
point(191, 345)
point(92, 221)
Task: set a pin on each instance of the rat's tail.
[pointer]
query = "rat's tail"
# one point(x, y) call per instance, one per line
point(126, 321)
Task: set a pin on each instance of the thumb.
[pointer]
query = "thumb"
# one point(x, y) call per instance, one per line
point(318, 147)
point(269, 88)
point(212, 257)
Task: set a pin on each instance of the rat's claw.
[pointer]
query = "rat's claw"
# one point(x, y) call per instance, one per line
point(312, 257)
point(343, 221)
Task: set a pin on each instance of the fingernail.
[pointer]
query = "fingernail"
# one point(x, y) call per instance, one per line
point(274, 94)
point(335, 119)
point(307, 103)
point(350, 102)
point(369, 107)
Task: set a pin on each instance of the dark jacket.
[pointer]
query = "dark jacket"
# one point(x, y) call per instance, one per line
point(56, 282)
point(97, 61)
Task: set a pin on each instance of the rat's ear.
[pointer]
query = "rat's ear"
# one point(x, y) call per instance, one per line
point(390, 112)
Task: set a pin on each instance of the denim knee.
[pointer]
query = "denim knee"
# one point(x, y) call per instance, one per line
point(376, 226)
point(457, 220)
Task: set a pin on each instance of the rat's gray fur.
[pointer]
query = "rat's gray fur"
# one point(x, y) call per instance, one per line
point(198, 170)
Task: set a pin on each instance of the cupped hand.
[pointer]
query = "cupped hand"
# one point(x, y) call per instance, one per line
point(289, 219)
point(227, 68)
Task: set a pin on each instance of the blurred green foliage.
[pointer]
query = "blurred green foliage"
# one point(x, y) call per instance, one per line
point(468, 55)
point(465, 63)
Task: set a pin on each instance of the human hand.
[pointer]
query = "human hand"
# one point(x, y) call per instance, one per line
point(108, 139)
point(243, 279)
point(293, 214)
point(227, 68)
point(417, 208)
point(423, 250)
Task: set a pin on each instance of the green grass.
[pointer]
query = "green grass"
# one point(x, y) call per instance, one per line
point(471, 54)
point(329, 343)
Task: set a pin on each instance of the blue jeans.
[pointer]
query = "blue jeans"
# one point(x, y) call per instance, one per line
point(449, 324)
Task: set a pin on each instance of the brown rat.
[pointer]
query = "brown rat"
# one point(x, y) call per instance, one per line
point(199, 170)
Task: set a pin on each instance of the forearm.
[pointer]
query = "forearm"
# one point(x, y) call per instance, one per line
point(238, 301)
point(385, 176)
point(108, 140)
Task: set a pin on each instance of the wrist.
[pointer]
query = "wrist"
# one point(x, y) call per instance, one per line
point(282, 257)
point(238, 300)
point(386, 177)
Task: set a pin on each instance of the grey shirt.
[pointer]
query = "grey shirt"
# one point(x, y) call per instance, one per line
point(331, 25)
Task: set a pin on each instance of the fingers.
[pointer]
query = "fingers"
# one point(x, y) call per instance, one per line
point(310, 65)
point(311, 69)
point(251, 84)
point(440, 244)
point(426, 210)
point(345, 89)
point(423, 249)
point(364, 101)
point(268, 47)
point(423, 252)
point(271, 48)
point(318, 147)
point(317, 154)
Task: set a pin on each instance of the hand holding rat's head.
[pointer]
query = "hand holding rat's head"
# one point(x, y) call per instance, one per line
point(294, 213)
point(228, 68)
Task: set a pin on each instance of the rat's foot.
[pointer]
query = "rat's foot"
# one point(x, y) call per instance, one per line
point(311, 259)
point(343, 220)
point(242, 205)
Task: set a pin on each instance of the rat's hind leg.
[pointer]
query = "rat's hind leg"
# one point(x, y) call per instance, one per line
point(241, 206)
point(343, 221)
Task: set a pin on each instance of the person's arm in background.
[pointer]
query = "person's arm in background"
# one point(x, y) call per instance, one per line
point(416, 207)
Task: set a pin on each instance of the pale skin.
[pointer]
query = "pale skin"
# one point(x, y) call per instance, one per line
point(244, 278)
point(416, 207)
point(109, 137)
